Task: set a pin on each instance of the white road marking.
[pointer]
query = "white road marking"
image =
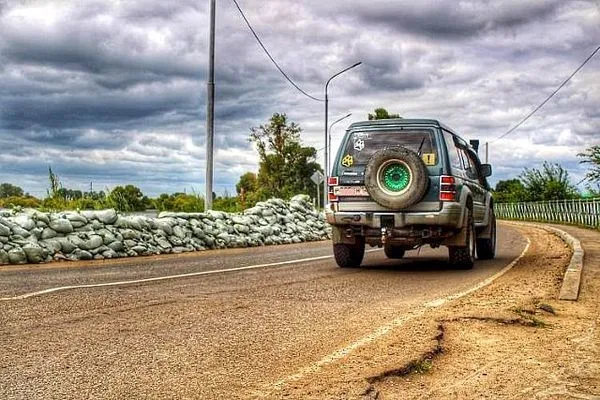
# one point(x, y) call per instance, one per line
point(164, 278)
point(395, 323)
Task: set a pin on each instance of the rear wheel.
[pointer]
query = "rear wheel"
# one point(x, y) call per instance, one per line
point(349, 255)
point(393, 252)
point(486, 247)
point(463, 257)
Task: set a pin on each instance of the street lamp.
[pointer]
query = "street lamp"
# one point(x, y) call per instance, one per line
point(329, 136)
point(326, 183)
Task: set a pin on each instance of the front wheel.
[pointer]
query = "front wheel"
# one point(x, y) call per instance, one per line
point(349, 255)
point(463, 257)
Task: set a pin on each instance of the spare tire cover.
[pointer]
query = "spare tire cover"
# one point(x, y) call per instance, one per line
point(396, 177)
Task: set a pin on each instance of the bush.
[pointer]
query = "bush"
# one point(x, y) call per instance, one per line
point(18, 201)
point(227, 204)
point(180, 202)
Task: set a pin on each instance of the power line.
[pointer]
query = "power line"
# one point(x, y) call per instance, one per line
point(549, 97)
point(269, 55)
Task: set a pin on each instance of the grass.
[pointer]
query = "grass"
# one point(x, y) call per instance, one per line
point(529, 315)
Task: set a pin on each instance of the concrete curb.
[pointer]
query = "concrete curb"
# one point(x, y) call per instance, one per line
point(572, 279)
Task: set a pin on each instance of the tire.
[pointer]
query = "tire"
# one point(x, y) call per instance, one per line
point(486, 248)
point(393, 252)
point(349, 255)
point(463, 257)
point(396, 178)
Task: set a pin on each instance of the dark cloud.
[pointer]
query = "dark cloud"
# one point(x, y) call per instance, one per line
point(449, 19)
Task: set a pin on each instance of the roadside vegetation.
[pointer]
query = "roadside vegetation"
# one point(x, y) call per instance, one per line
point(551, 182)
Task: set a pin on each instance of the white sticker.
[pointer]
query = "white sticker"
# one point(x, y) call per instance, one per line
point(359, 144)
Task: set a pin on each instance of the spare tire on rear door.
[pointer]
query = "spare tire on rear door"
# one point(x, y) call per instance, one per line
point(396, 177)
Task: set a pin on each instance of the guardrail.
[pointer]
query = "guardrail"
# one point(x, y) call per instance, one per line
point(585, 212)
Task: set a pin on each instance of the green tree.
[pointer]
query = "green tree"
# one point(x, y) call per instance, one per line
point(285, 165)
point(592, 156)
point(10, 190)
point(382, 113)
point(510, 191)
point(247, 189)
point(247, 183)
point(126, 198)
point(550, 183)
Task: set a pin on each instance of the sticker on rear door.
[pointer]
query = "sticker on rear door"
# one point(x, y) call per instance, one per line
point(359, 144)
point(428, 158)
point(347, 161)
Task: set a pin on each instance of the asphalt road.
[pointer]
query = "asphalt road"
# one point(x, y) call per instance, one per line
point(222, 335)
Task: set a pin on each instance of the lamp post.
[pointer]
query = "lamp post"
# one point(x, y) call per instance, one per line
point(325, 182)
point(329, 136)
point(210, 109)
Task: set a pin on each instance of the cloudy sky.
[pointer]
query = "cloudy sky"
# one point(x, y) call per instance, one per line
point(114, 92)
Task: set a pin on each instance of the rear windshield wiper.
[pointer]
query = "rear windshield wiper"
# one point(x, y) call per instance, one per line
point(421, 146)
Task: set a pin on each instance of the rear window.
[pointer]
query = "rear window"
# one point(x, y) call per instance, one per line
point(360, 146)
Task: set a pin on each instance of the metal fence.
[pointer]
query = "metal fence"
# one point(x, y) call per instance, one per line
point(585, 212)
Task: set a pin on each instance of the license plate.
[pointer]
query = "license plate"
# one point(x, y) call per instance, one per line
point(359, 191)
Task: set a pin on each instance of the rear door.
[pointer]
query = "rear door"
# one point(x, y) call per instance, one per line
point(473, 181)
point(356, 151)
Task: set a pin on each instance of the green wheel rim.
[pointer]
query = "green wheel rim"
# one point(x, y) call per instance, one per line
point(396, 177)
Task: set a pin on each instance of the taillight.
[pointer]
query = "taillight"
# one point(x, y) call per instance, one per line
point(447, 188)
point(331, 182)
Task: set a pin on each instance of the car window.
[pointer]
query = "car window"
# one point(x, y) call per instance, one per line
point(453, 155)
point(470, 165)
point(464, 160)
point(360, 146)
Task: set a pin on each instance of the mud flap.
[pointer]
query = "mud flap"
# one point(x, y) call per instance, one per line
point(485, 232)
point(461, 237)
point(338, 236)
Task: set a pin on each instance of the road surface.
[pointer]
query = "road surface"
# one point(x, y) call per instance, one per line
point(230, 334)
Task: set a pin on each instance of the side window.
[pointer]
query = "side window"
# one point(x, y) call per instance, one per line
point(453, 155)
point(472, 171)
point(464, 160)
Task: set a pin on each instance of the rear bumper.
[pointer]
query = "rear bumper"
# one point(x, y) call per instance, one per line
point(450, 216)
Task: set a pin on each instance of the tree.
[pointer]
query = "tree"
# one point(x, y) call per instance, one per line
point(247, 183)
point(127, 198)
point(382, 113)
point(247, 189)
point(592, 156)
point(550, 183)
point(285, 165)
point(510, 191)
point(10, 190)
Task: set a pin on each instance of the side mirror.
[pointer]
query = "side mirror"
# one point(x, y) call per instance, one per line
point(486, 170)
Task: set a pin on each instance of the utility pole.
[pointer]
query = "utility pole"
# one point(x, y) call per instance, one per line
point(486, 151)
point(210, 110)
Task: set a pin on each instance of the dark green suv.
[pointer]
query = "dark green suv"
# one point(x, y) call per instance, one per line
point(403, 183)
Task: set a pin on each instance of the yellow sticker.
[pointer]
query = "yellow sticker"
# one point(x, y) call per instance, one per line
point(428, 158)
point(347, 161)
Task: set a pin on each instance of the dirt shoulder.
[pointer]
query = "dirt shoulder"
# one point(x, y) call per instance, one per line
point(511, 339)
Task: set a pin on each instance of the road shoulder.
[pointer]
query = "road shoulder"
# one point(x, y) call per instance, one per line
point(512, 339)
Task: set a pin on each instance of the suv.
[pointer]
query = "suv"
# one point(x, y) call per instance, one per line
point(403, 183)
